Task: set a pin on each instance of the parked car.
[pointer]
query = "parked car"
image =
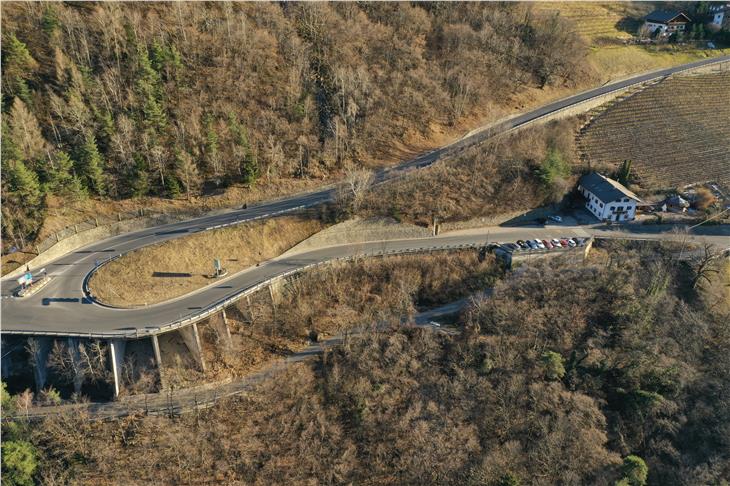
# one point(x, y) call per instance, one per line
point(557, 219)
point(547, 244)
point(556, 242)
point(564, 243)
point(539, 244)
point(581, 241)
point(512, 246)
point(522, 244)
point(531, 244)
point(571, 243)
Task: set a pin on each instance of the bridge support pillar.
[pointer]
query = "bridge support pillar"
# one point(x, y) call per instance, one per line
point(250, 309)
point(275, 288)
point(79, 375)
point(117, 348)
point(158, 360)
point(192, 341)
point(39, 348)
point(223, 330)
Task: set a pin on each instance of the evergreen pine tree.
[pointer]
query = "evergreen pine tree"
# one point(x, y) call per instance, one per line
point(172, 186)
point(149, 89)
point(623, 175)
point(9, 149)
point(154, 115)
point(22, 184)
point(90, 166)
point(148, 80)
point(62, 180)
point(248, 168)
point(17, 64)
point(139, 178)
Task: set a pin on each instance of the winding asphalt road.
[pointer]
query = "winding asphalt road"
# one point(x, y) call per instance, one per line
point(62, 308)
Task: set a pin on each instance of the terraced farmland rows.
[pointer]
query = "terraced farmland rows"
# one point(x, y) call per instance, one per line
point(598, 20)
point(676, 132)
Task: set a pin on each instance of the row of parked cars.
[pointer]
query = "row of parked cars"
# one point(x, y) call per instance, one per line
point(521, 245)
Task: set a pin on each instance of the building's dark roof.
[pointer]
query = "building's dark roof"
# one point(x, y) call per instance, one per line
point(665, 16)
point(605, 189)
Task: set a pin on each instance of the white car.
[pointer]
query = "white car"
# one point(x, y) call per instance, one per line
point(556, 243)
point(557, 219)
point(539, 244)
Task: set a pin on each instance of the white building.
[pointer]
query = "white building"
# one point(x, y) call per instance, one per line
point(666, 23)
point(719, 14)
point(607, 199)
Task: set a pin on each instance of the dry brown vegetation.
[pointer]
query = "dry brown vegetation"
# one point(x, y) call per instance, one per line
point(486, 180)
point(176, 267)
point(559, 376)
point(676, 132)
point(134, 100)
point(323, 302)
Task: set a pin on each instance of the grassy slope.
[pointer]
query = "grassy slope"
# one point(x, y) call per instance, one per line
point(135, 279)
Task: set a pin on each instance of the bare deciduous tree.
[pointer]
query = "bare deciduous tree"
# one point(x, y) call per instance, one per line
point(85, 361)
point(358, 181)
point(705, 265)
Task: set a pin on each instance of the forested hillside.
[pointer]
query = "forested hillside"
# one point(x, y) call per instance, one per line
point(612, 372)
point(169, 99)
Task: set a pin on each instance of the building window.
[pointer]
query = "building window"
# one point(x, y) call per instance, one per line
point(601, 204)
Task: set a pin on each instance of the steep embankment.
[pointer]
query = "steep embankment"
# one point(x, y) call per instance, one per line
point(675, 132)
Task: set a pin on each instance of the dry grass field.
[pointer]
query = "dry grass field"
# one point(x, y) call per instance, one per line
point(675, 132)
point(167, 270)
point(606, 26)
point(597, 21)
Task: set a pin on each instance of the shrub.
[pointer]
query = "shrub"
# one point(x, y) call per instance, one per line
point(553, 365)
point(634, 471)
point(8, 404)
point(19, 463)
point(553, 167)
point(50, 396)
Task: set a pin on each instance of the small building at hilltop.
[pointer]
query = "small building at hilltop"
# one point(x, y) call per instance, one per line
point(606, 199)
point(666, 23)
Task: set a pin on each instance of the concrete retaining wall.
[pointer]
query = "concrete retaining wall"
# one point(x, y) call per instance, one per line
point(97, 234)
